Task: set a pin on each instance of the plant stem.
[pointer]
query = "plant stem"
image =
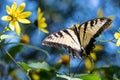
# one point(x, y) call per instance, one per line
point(30, 46)
point(14, 61)
point(69, 65)
point(111, 40)
point(77, 68)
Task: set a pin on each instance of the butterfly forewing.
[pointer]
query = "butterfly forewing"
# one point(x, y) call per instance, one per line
point(66, 38)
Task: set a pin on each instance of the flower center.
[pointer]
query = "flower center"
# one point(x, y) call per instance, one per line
point(14, 17)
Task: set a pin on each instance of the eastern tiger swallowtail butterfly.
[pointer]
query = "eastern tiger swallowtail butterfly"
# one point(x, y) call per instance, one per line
point(79, 40)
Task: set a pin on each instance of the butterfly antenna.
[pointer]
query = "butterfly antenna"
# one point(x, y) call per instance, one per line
point(77, 67)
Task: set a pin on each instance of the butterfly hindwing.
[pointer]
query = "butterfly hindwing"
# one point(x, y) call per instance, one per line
point(90, 30)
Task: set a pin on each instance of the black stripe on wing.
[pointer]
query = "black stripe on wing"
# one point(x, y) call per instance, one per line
point(85, 27)
point(67, 32)
point(76, 31)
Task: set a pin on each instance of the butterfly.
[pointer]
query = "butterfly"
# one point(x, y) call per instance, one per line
point(79, 40)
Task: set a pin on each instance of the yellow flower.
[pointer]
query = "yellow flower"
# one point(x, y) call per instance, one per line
point(117, 36)
point(77, 25)
point(16, 15)
point(98, 48)
point(36, 77)
point(24, 39)
point(88, 64)
point(100, 14)
point(41, 22)
point(93, 56)
point(64, 60)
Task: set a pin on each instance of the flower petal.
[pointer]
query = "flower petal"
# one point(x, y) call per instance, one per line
point(39, 10)
point(24, 21)
point(112, 17)
point(117, 35)
point(98, 48)
point(12, 25)
point(17, 27)
point(100, 13)
point(25, 39)
point(44, 30)
point(42, 25)
point(118, 42)
point(43, 19)
point(88, 64)
point(13, 7)
point(93, 56)
point(21, 8)
point(6, 18)
point(24, 15)
point(40, 14)
point(8, 10)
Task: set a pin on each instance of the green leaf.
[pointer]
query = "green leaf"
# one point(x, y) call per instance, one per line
point(110, 72)
point(40, 65)
point(65, 77)
point(30, 46)
point(4, 36)
point(116, 76)
point(118, 51)
point(100, 36)
point(90, 77)
point(24, 66)
point(15, 49)
point(7, 29)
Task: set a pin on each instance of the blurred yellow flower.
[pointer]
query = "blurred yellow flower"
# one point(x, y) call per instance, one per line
point(24, 39)
point(35, 77)
point(64, 59)
point(34, 74)
point(93, 56)
point(98, 48)
point(77, 25)
point(16, 15)
point(100, 14)
point(41, 22)
point(88, 64)
point(117, 36)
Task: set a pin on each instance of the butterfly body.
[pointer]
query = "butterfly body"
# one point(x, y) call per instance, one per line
point(79, 39)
